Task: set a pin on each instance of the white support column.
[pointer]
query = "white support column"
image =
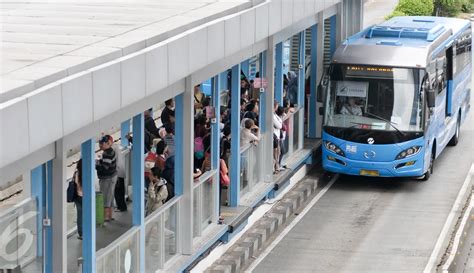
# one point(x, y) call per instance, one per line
point(269, 99)
point(320, 67)
point(186, 206)
point(59, 210)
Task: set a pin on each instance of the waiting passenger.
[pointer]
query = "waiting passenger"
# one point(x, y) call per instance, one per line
point(168, 114)
point(161, 155)
point(351, 108)
point(157, 191)
point(250, 133)
point(169, 138)
point(78, 200)
point(107, 172)
point(198, 99)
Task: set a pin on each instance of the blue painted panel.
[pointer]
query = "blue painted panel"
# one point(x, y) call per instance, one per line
point(138, 168)
point(206, 87)
point(178, 138)
point(48, 266)
point(223, 80)
point(88, 205)
point(235, 140)
point(313, 83)
point(279, 73)
point(138, 182)
point(245, 67)
point(37, 192)
point(124, 130)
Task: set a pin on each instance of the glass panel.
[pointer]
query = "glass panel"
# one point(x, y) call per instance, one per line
point(110, 262)
point(207, 202)
point(19, 233)
point(171, 231)
point(244, 182)
point(296, 130)
point(196, 209)
point(130, 254)
point(152, 244)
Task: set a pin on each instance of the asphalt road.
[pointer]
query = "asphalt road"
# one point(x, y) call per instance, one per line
point(376, 225)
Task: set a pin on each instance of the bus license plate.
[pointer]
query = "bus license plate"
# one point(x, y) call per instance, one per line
point(369, 172)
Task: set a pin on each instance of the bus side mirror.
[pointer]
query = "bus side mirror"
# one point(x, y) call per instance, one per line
point(321, 111)
point(431, 98)
point(320, 91)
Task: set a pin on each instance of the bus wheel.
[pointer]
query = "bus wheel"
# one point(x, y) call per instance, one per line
point(428, 173)
point(455, 139)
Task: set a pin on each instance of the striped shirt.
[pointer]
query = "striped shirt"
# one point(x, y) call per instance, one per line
point(107, 166)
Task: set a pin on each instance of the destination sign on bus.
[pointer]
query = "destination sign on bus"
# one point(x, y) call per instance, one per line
point(369, 71)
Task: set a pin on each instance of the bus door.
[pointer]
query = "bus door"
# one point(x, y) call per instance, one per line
point(440, 86)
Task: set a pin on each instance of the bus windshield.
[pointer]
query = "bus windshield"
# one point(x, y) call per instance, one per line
point(374, 98)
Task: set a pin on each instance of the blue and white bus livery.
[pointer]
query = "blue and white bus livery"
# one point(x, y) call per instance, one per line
point(395, 95)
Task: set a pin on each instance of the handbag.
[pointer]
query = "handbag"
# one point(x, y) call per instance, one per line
point(71, 193)
point(224, 177)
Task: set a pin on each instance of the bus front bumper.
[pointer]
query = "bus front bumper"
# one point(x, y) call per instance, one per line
point(409, 167)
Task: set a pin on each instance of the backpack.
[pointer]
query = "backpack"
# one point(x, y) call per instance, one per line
point(71, 193)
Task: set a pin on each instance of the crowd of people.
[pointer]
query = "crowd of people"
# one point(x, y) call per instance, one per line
point(160, 147)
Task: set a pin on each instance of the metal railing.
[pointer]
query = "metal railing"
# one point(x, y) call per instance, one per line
point(203, 201)
point(18, 234)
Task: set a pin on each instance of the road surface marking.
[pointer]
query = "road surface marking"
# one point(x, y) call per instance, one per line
point(451, 217)
point(298, 218)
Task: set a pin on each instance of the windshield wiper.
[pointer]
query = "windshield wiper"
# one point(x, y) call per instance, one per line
point(359, 123)
point(387, 121)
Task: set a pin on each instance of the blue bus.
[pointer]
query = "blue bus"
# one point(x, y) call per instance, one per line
point(395, 95)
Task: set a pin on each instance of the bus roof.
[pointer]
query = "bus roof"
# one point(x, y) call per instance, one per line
point(401, 41)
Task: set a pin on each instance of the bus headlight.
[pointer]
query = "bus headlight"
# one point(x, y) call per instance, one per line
point(333, 148)
point(409, 152)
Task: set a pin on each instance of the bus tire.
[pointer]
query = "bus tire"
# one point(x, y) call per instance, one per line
point(428, 173)
point(455, 139)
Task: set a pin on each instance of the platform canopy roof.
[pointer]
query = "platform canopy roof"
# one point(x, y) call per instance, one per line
point(44, 41)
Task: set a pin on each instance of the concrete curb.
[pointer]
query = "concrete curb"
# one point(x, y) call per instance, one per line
point(236, 258)
point(448, 261)
point(443, 244)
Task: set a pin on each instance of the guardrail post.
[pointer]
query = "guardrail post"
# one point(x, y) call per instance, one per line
point(235, 140)
point(88, 206)
point(138, 182)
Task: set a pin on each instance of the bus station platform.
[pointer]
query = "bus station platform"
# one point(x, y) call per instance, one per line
point(209, 79)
